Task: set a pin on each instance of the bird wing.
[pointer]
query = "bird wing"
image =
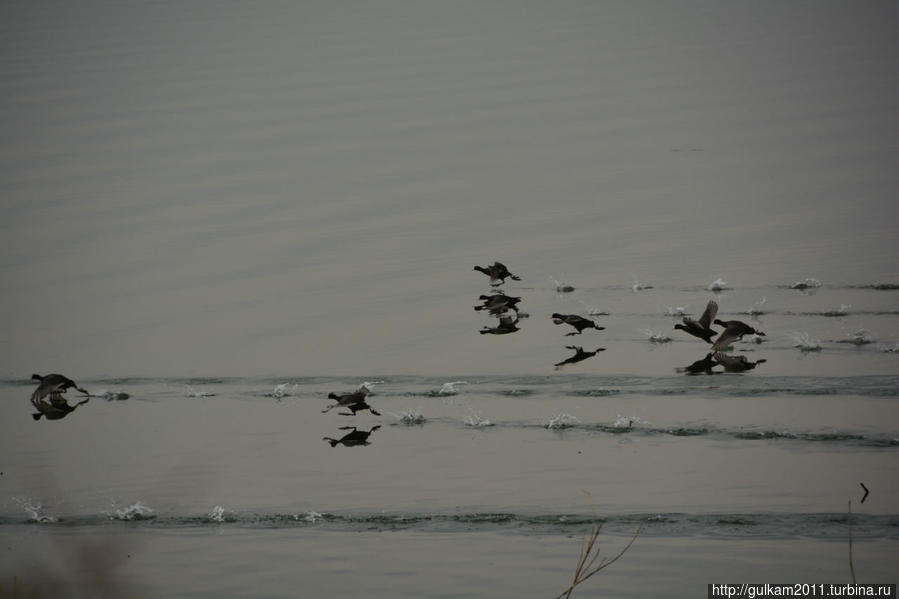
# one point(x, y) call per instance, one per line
point(711, 311)
point(46, 388)
point(691, 323)
point(37, 399)
point(727, 336)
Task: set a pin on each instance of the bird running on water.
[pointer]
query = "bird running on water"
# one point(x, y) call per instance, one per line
point(578, 322)
point(54, 385)
point(354, 402)
point(497, 273)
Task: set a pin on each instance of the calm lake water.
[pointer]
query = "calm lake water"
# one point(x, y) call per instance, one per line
point(215, 214)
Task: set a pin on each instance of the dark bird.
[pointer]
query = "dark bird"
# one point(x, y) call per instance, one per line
point(354, 402)
point(54, 385)
point(736, 363)
point(352, 439)
point(497, 273)
point(578, 322)
point(701, 328)
point(506, 325)
point(865, 496)
point(703, 366)
point(733, 331)
point(579, 355)
point(498, 303)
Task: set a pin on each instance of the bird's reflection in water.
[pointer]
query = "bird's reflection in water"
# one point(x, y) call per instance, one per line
point(730, 363)
point(48, 398)
point(506, 325)
point(736, 363)
point(579, 355)
point(498, 303)
point(353, 438)
point(703, 366)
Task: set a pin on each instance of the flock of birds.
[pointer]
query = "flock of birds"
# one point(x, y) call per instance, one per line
point(499, 304)
point(49, 401)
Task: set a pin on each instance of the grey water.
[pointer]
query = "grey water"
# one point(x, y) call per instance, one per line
point(215, 214)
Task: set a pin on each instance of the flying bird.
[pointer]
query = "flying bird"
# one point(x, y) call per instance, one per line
point(497, 273)
point(701, 328)
point(578, 322)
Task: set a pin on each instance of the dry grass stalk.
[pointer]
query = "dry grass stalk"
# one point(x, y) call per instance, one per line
point(587, 566)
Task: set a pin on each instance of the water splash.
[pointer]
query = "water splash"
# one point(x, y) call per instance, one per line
point(35, 511)
point(656, 336)
point(562, 421)
point(807, 283)
point(592, 310)
point(191, 392)
point(475, 420)
point(843, 310)
point(717, 285)
point(450, 388)
point(756, 309)
point(676, 311)
point(628, 422)
point(285, 390)
point(562, 286)
point(135, 511)
point(889, 349)
point(861, 337)
point(113, 395)
point(411, 417)
point(804, 343)
point(312, 517)
point(638, 286)
point(217, 514)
